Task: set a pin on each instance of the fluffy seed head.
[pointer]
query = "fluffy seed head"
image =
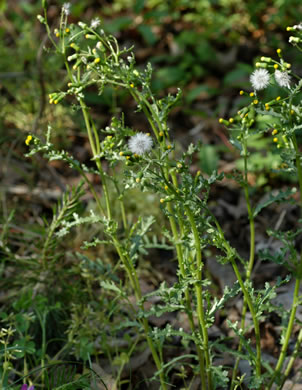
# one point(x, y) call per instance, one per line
point(260, 79)
point(66, 8)
point(282, 78)
point(140, 143)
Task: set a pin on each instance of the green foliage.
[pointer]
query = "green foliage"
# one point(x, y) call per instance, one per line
point(84, 301)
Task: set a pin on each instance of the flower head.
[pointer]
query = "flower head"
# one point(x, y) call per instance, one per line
point(260, 79)
point(140, 143)
point(66, 8)
point(95, 22)
point(282, 78)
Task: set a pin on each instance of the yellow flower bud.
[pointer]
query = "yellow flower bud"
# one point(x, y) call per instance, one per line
point(28, 139)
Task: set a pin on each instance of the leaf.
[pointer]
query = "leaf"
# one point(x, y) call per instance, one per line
point(282, 195)
point(148, 35)
point(113, 287)
point(208, 158)
point(238, 77)
point(204, 90)
point(118, 24)
point(138, 6)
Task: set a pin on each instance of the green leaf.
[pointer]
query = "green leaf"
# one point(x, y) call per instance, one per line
point(281, 196)
point(200, 90)
point(149, 37)
point(118, 24)
point(238, 77)
point(208, 158)
point(138, 6)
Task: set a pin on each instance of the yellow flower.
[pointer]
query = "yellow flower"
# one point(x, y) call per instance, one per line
point(28, 139)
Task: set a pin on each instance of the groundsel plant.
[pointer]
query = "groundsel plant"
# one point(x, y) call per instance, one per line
point(150, 163)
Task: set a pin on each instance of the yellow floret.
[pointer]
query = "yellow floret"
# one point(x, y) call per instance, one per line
point(28, 139)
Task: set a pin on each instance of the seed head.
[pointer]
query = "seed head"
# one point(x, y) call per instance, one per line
point(66, 8)
point(260, 79)
point(140, 143)
point(282, 78)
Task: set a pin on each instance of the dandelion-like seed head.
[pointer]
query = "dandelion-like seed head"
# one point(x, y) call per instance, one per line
point(95, 22)
point(260, 79)
point(140, 143)
point(66, 8)
point(282, 78)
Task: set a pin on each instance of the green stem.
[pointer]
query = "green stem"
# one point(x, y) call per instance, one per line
point(122, 206)
point(179, 251)
point(295, 303)
point(251, 259)
point(199, 295)
point(180, 257)
point(231, 254)
point(127, 263)
point(291, 360)
point(299, 168)
point(131, 271)
point(150, 114)
point(288, 333)
point(94, 149)
point(254, 316)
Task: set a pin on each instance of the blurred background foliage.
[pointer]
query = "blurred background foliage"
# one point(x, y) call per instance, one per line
point(205, 47)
